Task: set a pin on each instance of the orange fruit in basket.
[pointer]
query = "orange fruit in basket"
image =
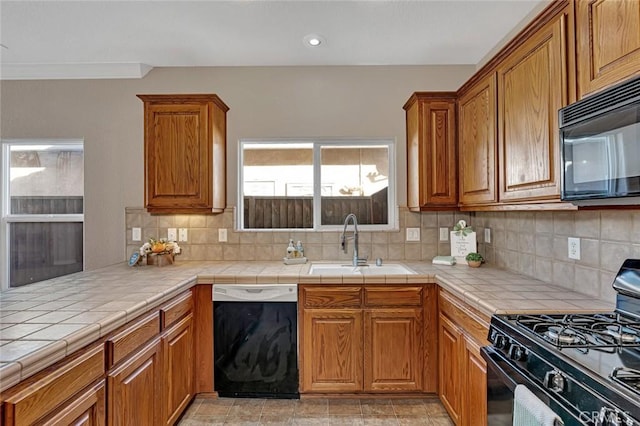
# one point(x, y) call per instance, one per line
point(158, 247)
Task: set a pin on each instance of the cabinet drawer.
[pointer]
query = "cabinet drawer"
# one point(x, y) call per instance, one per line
point(331, 297)
point(393, 296)
point(176, 309)
point(132, 337)
point(473, 324)
point(43, 396)
point(88, 408)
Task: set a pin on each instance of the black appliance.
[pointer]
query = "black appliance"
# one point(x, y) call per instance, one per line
point(600, 147)
point(255, 338)
point(585, 367)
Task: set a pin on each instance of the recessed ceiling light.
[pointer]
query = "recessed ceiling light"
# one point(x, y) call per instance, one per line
point(313, 40)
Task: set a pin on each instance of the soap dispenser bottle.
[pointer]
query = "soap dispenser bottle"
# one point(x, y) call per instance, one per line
point(300, 249)
point(291, 250)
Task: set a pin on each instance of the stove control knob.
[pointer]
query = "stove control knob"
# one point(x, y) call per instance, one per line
point(517, 353)
point(554, 380)
point(500, 341)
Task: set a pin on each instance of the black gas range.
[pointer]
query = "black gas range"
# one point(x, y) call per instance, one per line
point(585, 367)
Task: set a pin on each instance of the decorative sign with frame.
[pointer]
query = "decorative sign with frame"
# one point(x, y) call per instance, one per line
point(463, 242)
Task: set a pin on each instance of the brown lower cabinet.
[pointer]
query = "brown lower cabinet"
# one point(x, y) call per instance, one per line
point(60, 394)
point(364, 339)
point(134, 386)
point(331, 352)
point(462, 370)
point(141, 374)
point(178, 360)
point(392, 350)
point(87, 409)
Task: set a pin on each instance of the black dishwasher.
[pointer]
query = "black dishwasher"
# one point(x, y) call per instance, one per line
point(255, 340)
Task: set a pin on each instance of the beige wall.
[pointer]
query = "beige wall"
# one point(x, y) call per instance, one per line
point(514, 32)
point(263, 101)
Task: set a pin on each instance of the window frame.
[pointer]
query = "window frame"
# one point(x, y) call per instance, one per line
point(7, 218)
point(318, 143)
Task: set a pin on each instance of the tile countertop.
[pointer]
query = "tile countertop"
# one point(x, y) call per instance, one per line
point(43, 322)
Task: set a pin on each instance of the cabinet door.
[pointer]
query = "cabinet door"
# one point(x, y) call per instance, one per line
point(478, 175)
point(450, 342)
point(608, 41)
point(178, 362)
point(392, 349)
point(331, 352)
point(86, 409)
point(134, 389)
point(532, 87)
point(176, 140)
point(431, 152)
point(474, 411)
point(185, 153)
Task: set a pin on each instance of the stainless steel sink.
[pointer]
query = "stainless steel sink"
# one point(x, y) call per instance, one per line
point(341, 269)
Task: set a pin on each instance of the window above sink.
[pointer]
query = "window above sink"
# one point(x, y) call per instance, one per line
point(315, 184)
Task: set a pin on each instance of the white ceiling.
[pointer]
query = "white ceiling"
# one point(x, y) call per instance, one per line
point(125, 39)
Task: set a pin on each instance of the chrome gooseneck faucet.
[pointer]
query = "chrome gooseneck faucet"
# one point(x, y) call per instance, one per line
point(343, 239)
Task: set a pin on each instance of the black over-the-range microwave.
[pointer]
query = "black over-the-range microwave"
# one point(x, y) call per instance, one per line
point(600, 147)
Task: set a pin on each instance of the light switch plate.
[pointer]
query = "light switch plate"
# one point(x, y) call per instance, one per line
point(487, 235)
point(136, 234)
point(444, 234)
point(222, 235)
point(574, 248)
point(172, 234)
point(182, 234)
point(413, 234)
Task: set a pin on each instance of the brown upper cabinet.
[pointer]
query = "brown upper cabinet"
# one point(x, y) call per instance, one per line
point(477, 143)
point(431, 151)
point(532, 87)
point(608, 43)
point(185, 153)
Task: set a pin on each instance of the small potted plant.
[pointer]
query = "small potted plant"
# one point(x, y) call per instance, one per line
point(474, 259)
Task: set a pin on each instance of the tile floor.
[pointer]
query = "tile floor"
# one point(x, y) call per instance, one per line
point(241, 411)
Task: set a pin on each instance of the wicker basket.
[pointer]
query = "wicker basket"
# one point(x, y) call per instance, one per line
point(162, 259)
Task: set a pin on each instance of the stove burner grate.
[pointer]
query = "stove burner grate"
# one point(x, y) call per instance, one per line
point(604, 332)
point(563, 336)
point(628, 377)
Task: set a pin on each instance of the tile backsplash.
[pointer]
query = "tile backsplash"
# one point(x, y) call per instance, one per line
point(536, 244)
point(203, 242)
point(531, 243)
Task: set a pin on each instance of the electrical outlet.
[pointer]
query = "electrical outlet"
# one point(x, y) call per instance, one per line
point(574, 248)
point(222, 235)
point(487, 235)
point(413, 234)
point(444, 234)
point(172, 235)
point(136, 234)
point(182, 234)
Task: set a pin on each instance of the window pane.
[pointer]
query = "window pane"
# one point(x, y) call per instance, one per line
point(277, 185)
point(39, 251)
point(354, 179)
point(46, 179)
